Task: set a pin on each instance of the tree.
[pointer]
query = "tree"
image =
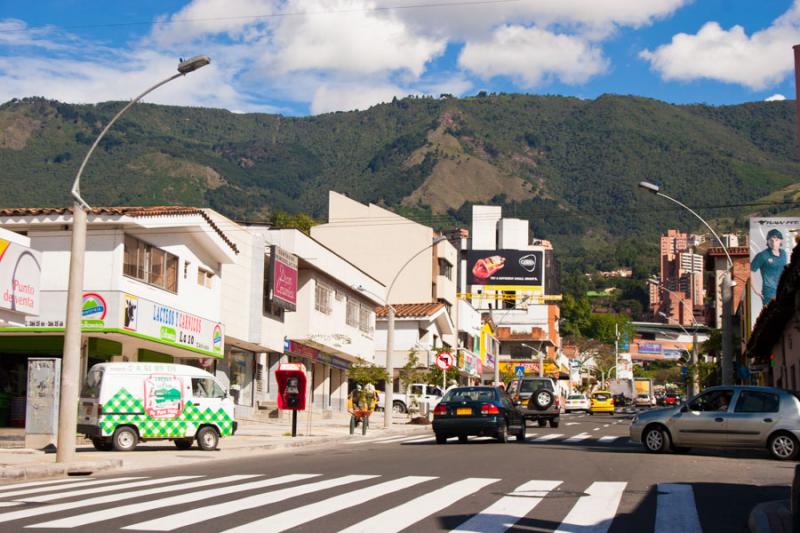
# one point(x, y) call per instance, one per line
point(605, 327)
point(576, 314)
point(363, 372)
point(413, 372)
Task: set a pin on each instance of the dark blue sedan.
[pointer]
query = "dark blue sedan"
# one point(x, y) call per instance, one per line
point(481, 411)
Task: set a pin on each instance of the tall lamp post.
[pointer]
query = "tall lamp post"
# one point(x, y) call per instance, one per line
point(497, 355)
point(727, 289)
point(388, 407)
point(539, 354)
point(694, 382)
point(70, 371)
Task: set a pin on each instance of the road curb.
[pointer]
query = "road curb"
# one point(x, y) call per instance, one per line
point(40, 471)
point(759, 520)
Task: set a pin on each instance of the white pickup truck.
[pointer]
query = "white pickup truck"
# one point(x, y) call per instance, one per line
point(429, 395)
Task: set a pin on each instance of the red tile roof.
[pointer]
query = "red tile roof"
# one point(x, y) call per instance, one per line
point(411, 310)
point(142, 211)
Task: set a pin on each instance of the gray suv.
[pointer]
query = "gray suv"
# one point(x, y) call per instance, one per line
point(537, 399)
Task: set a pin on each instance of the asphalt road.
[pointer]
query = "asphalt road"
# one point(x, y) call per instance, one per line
point(583, 476)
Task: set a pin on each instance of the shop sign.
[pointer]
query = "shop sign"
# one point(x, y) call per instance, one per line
point(296, 348)
point(20, 273)
point(672, 354)
point(521, 270)
point(527, 368)
point(650, 348)
point(163, 396)
point(283, 278)
point(93, 311)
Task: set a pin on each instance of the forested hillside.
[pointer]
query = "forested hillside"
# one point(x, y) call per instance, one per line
point(571, 166)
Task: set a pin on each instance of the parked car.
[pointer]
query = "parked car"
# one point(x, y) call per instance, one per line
point(576, 402)
point(725, 416)
point(602, 402)
point(481, 411)
point(426, 395)
point(538, 399)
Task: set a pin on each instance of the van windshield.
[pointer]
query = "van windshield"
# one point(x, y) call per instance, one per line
point(91, 387)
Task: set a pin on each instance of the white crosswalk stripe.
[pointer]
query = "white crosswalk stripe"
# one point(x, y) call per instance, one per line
point(594, 512)
point(550, 436)
point(4, 488)
point(676, 510)
point(116, 512)
point(95, 490)
point(307, 513)
point(403, 516)
point(72, 486)
point(508, 510)
point(579, 437)
point(609, 438)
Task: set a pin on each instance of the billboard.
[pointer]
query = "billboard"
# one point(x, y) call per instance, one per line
point(283, 278)
point(771, 243)
point(506, 270)
point(20, 272)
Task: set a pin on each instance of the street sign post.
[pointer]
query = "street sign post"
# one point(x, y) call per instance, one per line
point(519, 371)
point(444, 360)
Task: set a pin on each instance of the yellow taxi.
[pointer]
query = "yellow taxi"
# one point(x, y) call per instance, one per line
point(602, 402)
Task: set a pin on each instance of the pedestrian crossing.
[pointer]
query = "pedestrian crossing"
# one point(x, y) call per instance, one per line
point(531, 438)
point(260, 503)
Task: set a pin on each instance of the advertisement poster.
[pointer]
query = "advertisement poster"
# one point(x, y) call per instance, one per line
point(624, 366)
point(506, 269)
point(283, 278)
point(163, 396)
point(771, 243)
point(20, 271)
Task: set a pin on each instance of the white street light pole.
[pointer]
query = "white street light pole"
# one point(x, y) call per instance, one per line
point(727, 293)
point(539, 355)
point(388, 407)
point(497, 355)
point(70, 365)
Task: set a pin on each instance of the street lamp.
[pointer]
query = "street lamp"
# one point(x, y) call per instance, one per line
point(727, 293)
point(497, 355)
point(388, 407)
point(540, 355)
point(70, 365)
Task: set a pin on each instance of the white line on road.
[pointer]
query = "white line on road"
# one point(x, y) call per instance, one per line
point(202, 514)
point(507, 511)
point(550, 436)
point(301, 515)
point(40, 483)
point(676, 509)
point(593, 513)
point(74, 485)
point(36, 511)
point(596, 429)
point(606, 425)
point(579, 437)
point(411, 512)
point(572, 423)
point(608, 438)
point(427, 438)
point(95, 490)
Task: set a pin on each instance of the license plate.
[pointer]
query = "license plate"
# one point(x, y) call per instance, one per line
point(464, 411)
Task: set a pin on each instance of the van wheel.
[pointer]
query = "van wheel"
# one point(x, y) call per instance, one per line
point(207, 438)
point(125, 439)
point(102, 445)
point(398, 408)
point(183, 444)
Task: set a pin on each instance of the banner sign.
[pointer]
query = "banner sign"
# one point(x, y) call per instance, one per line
point(119, 312)
point(506, 269)
point(673, 354)
point(771, 243)
point(283, 278)
point(650, 348)
point(296, 348)
point(20, 273)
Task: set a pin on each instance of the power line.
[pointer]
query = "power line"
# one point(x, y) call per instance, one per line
point(285, 14)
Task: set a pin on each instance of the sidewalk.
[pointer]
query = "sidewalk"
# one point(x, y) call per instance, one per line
point(251, 437)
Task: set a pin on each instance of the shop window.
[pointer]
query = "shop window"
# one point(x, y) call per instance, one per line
point(205, 277)
point(241, 374)
point(353, 313)
point(322, 298)
point(150, 264)
point(365, 319)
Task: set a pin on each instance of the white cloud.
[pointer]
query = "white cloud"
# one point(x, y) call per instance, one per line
point(758, 61)
point(533, 56)
point(347, 97)
point(775, 98)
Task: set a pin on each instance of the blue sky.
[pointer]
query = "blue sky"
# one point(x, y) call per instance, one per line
point(301, 57)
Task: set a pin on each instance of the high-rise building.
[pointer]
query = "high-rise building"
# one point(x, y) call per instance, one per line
point(680, 293)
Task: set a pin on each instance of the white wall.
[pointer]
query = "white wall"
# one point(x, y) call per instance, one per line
point(484, 226)
point(513, 234)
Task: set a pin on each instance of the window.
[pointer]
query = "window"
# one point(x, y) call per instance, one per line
point(353, 311)
point(445, 269)
point(150, 264)
point(322, 298)
point(365, 319)
point(716, 400)
point(751, 401)
point(206, 388)
point(204, 277)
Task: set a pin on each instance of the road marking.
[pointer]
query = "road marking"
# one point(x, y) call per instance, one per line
point(411, 512)
point(606, 425)
point(509, 509)
point(676, 509)
point(405, 439)
point(608, 438)
point(74, 485)
point(36, 511)
point(202, 514)
point(428, 438)
point(579, 437)
point(593, 513)
point(95, 490)
point(596, 429)
point(572, 423)
point(40, 483)
point(301, 515)
point(550, 436)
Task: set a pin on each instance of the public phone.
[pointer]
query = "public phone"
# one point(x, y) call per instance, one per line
point(291, 379)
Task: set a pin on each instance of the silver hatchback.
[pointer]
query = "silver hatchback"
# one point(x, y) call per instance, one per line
point(725, 416)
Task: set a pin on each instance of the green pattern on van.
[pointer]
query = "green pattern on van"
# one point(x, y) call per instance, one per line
point(124, 409)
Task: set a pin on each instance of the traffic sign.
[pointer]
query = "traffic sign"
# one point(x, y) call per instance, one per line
point(520, 370)
point(444, 360)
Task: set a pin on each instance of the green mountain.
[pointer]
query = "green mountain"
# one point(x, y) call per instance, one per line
point(570, 166)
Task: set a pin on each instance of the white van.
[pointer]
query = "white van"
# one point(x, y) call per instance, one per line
point(124, 403)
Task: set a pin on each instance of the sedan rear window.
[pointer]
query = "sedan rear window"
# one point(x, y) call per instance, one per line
point(531, 385)
point(471, 394)
point(601, 397)
point(575, 397)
